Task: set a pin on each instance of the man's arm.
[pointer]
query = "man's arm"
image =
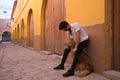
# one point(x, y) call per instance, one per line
point(77, 39)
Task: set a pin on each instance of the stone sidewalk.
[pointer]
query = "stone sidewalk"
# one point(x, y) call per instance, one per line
point(19, 63)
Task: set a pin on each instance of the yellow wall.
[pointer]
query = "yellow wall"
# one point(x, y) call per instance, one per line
point(22, 12)
point(36, 8)
point(96, 15)
point(86, 12)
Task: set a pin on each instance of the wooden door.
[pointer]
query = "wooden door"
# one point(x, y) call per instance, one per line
point(22, 32)
point(31, 30)
point(15, 35)
point(18, 35)
point(53, 36)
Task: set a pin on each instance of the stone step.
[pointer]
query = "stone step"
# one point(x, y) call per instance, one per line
point(112, 74)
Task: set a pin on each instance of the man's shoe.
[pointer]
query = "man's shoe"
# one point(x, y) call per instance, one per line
point(59, 67)
point(68, 73)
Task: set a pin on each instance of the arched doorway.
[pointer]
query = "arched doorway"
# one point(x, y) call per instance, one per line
point(18, 34)
point(6, 36)
point(30, 29)
point(15, 35)
point(22, 33)
point(54, 13)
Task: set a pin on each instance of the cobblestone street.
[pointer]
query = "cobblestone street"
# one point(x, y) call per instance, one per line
point(19, 63)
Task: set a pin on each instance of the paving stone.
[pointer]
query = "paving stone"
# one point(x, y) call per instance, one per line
point(20, 63)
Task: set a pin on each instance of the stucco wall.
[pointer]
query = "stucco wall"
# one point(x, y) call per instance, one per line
point(86, 12)
point(96, 48)
point(23, 14)
point(5, 25)
point(91, 14)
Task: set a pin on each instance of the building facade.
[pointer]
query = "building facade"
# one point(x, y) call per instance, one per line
point(5, 30)
point(35, 24)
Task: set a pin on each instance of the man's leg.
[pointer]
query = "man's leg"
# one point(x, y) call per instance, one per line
point(81, 45)
point(65, 55)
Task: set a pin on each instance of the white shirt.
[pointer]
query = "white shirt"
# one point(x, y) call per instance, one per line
point(74, 28)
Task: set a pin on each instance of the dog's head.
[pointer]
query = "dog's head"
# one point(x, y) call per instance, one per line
point(71, 44)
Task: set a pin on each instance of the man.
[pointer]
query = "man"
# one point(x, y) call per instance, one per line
point(76, 33)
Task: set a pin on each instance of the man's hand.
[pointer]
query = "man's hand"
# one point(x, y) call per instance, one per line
point(73, 51)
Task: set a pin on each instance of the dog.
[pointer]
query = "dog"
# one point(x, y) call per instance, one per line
point(84, 66)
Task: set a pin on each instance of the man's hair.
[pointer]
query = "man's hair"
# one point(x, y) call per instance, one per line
point(63, 24)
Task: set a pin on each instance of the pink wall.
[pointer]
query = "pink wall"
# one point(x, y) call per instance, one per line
point(4, 26)
point(96, 46)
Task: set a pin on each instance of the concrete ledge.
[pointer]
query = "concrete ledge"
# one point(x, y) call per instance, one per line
point(95, 76)
point(112, 74)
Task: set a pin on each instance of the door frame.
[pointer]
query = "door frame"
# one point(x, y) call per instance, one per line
point(30, 15)
point(116, 35)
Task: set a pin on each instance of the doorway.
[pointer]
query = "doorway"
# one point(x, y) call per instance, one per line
point(30, 29)
point(54, 13)
point(6, 36)
point(22, 32)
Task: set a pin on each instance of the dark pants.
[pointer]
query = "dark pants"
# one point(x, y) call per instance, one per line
point(80, 47)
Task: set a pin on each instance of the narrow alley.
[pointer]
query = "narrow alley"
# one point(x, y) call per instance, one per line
point(19, 63)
